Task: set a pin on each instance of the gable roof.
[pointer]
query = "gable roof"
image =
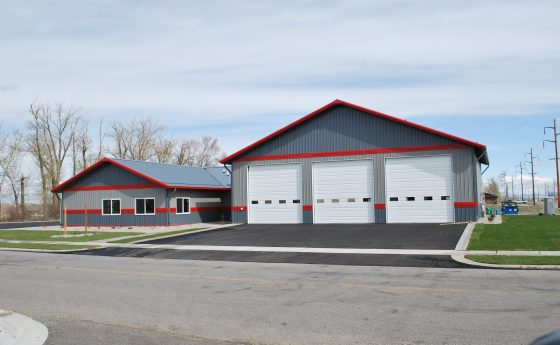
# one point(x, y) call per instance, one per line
point(479, 148)
point(163, 175)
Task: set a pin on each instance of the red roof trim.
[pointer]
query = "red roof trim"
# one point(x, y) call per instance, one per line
point(336, 102)
point(352, 152)
point(156, 183)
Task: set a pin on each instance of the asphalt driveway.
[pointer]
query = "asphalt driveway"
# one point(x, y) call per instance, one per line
point(370, 236)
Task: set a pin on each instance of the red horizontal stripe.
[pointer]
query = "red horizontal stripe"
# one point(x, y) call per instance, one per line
point(308, 207)
point(78, 211)
point(352, 152)
point(112, 187)
point(208, 208)
point(239, 208)
point(379, 206)
point(466, 204)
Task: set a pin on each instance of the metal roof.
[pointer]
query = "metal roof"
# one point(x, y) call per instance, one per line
point(179, 175)
point(165, 175)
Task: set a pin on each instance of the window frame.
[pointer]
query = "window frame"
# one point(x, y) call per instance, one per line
point(144, 214)
point(182, 201)
point(111, 200)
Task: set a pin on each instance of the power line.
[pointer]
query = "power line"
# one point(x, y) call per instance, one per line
point(532, 162)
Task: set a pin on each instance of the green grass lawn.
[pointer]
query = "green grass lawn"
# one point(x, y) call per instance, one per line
point(45, 246)
point(515, 260)
point(518, 233)
point(40, 235)
point(152, 236)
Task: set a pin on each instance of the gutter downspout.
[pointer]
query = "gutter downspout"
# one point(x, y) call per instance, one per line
point(169, 205)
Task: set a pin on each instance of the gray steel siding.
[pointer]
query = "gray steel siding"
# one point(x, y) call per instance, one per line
point(464, 185)
point(342, 128)
point(92, 201)
point(200, 198)
point(107, 175)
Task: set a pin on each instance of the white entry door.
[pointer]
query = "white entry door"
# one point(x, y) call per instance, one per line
point(274, 194)
point(419, 189)
point(343, 192)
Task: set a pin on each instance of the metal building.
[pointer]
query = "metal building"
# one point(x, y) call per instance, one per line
point(116, 192)
point(348, 164)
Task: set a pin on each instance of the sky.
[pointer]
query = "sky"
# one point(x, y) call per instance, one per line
point(487, 70)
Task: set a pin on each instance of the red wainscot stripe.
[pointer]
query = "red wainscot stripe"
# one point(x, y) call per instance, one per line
point(353, 152)
point(239, 208)
point(92, 211)
point(466, 204)
point(206, 208)
point(379, 206)
point(308, 207)
point(112, 187)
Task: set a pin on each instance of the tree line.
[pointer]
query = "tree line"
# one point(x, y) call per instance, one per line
point(58, 137)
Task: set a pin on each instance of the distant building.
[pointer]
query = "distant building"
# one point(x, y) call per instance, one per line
point(490, 199)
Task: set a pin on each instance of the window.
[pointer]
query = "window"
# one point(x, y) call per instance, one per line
point(427, 198)
point(366, 199)
point(111, 207)
point(410, 198)
point(445, 197)
point(184, 205)
point(255, 202)
point(335, 201)
point(268, 201)
point(351, 200)
point(145, 206)
point(282, 201)
point(393, 198)
point(296, 201)
point(320, 201)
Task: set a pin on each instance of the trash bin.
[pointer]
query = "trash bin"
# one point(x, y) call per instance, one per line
point(548, 205)
point(489, 211)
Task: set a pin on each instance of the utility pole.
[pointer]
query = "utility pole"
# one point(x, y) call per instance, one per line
point(532, 162)
point(555, 141)
point(512, 190)
point(521, 178)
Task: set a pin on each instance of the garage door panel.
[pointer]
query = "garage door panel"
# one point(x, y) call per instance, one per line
point(274, 194)
point(409, 181)
point(343, 191)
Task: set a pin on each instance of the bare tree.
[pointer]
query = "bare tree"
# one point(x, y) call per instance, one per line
point(10, 165)
point(187, 151)
point(209, 152)
point(164, 149)
point(493, 187)
point(135, 140)
point(49, 138)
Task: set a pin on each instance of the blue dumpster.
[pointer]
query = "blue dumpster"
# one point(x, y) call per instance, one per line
point(509, 208)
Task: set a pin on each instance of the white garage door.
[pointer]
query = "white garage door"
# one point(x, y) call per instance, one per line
point(419, 189)
point(274, 194)
point(343, 192)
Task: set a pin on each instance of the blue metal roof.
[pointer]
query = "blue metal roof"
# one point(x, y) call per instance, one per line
point(181, 175)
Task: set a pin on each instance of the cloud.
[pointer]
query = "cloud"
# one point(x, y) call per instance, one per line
point(8, 87)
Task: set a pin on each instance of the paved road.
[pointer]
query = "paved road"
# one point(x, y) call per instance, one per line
point(394, 260)
point(19, 225)
point(158, 301)
point(380, 236)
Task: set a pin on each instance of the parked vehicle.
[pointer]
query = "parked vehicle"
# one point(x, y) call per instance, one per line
point(521, 202)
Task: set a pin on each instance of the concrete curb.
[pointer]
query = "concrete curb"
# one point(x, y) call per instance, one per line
point(186, 233)
point(16, 329)
point(460, 257)
point(465, 237)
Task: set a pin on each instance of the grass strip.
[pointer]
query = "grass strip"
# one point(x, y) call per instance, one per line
point(46, 235)
point(518, 233)
point(44, 246)
point(515, 260)
point(154, 236)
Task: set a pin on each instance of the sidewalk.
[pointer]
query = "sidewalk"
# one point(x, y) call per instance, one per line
point(16, 329)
